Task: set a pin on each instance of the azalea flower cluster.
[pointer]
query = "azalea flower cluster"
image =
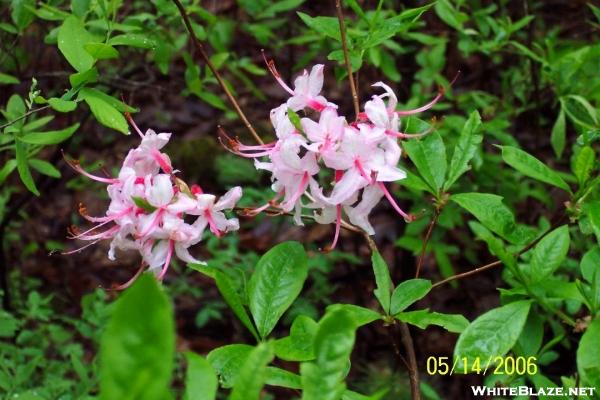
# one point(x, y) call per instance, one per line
point(154, 212)
point(327, 164)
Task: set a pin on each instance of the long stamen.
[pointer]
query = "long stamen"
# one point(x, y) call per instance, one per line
point(403, 135)
point(255, 211)
point(167, 261)
point(108, 218)
point(301, 189)
point(338, 224)
point(407, 217)
point(362, 171)
point(66, 253)
point(273, 70)
point(130, 281)
point(128, 116)
point(154, 223)
point(212, 224)
point(77, 167)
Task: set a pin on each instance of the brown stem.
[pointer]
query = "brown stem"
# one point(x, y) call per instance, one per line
point(340, 15)
point(498, 262)
point(200, 47)
point(27, 114)
point(413, 370)
point(426, 240)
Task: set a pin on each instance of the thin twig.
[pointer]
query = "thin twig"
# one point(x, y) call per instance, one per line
point(200, 47)
point(413, 370)
point(340, 15)
point(497, 262)
point(426, 240)
point(27, 114)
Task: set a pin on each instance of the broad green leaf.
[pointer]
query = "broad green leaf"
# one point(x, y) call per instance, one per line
point(592, 210)
point(251, 378)
point(15, 108)
point(532, 167)
point(588, 355)
point(279, 7)
point(429, 156)
point(549, 253)
point(72, 37)
point(138, 346)
point(133, 40)
point(531, 338)
point(50, 137)
point(490, 211)
point(423, 318)
point(558, 136)
point(328, 26)
point(80, 7)
point(590, 264)
point(7, 169)
point(383, 291)
point(116, 103)
point(228, 361)
point(6, 79)
point(407, 293)
point(227, 290)
point(281, 377)
point(44, 167)
point(212, 99)
point(23, 167)
point(61, 105)
point(101, 51)
point(465, 149)
point(21, 13)
point(200, 379)
point(323, 379)
point(105, 113)
point(580, 110)
point(84, 77)
point(492, 334)
point(447, 13)
point(584, 164)
point(275, 284)
point(36, 124)
point(360, 315)
point(298, 346)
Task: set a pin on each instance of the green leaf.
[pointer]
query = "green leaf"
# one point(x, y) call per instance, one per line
point(423, 318)
point(138, 346)
point(21, 13)
point(227, 290)
point(61, 105)
point(549, 253)
point(200, 379)
point(80, 7)
point(23, 167)
point(327, 26)
point(253, 374)
point(283, 378)
point(44, 167)
point(6, 79)
point(490, 211)
point(429, 156)
point(298, 346)
point(447, 13)
point(465, 149)
point(360, 315)
point(592, 210)
point(50, 137)
point(532, 167)
point(7, 169)
point(492, 334)
point(294, 119)
point(558, 136)
point(114, 102)
point(588, 355)
point(228, 361)
point(101, 51)
point(143, 204)
point(275, 284)
point(407, 293)
point(141, 41)
point(383, 291)
point(279, 7)
point(590, 264)
point(323, 379)
point(580, 110)
point(104, 112)
point(84, 77)
point(212, 99)
point(72, 37)
point(584, 164)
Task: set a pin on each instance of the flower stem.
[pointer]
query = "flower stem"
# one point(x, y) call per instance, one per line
point(340, 15)
point(200, 47)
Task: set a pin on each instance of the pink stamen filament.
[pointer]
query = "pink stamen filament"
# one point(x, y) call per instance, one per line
point(338, 224)
point(102, 235)
point(362, 171)
point(78, 168)
point(154, 223)
point(130, 281)
point(393, 202)
point(258, 210)
point(301, 188)
point(167, 261)
point(212, 224)
point(128, 116)
point(108, 218)
point(273, 70)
